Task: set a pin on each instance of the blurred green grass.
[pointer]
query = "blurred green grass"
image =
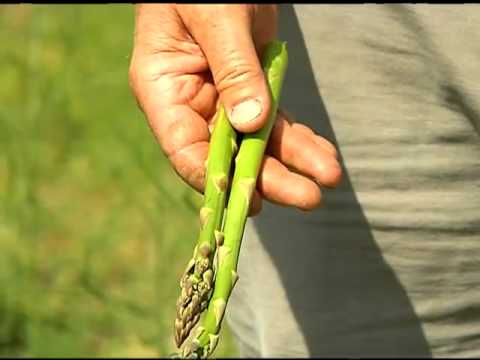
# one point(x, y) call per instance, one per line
point(95, 228)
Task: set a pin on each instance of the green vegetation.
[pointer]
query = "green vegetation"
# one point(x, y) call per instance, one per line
point(247, 166)
point(95, 226)
point(197, 281)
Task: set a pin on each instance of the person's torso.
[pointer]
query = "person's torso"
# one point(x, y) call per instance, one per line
point(401, 89)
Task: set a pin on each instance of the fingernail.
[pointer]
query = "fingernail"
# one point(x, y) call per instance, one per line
point(246, 111)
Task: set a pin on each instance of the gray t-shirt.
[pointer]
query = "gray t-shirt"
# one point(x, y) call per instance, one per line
point(390, 265)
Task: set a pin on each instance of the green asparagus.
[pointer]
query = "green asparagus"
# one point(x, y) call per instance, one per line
point(247, 166)
point(197, 280)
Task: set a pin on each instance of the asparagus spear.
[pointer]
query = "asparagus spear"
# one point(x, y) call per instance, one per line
point(197, 280)
point(247, 165)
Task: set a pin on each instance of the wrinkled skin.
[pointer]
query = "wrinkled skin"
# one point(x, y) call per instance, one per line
point(187, 58)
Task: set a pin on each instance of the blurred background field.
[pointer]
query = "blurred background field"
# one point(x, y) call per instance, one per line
point(95, 228)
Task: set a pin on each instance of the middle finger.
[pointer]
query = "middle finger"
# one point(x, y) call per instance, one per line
point(302, 152)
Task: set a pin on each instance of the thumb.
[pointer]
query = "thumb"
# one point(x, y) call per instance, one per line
point(224, 33)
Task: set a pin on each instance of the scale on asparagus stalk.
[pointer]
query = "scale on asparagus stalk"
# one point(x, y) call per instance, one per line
point(211, 274)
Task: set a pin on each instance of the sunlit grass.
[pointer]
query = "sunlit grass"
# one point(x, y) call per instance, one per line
point(95, 228)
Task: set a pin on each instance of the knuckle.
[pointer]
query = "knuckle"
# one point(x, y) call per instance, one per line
point(236, 73)
point(188, 166)
point(133, 82)
point(132, 77)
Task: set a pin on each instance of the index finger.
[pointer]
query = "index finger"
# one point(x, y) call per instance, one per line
point(180, 130)
point(183, 136)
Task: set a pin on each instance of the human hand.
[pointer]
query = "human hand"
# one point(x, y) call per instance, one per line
point(185, 59)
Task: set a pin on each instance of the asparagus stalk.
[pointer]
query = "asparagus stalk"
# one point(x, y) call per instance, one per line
point(197, 280)
point(247, 166)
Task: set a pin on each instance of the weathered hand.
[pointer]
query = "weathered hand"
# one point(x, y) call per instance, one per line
point(185, 59)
